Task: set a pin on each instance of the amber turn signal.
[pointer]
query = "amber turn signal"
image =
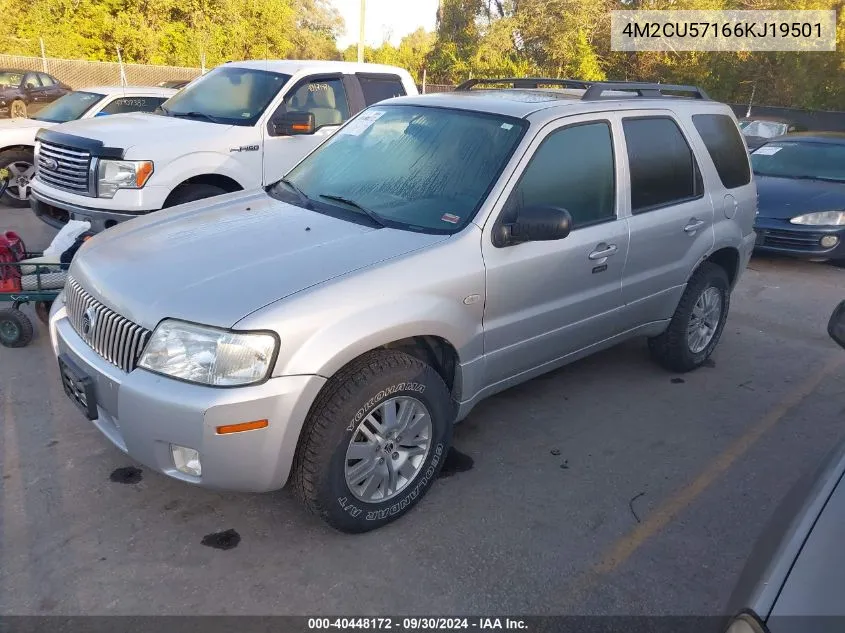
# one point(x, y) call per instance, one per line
point(243, 426)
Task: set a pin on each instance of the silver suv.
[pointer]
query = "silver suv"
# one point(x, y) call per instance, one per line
point(327, 332)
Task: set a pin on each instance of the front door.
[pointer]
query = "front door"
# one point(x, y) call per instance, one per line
point(546, 300)
point(323, 96)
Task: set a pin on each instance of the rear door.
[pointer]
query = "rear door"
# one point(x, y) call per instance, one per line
point(671, 216)
point(328, 98)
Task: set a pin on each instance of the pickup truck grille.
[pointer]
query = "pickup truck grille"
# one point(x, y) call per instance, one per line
point(64, 167)
point(115, 338)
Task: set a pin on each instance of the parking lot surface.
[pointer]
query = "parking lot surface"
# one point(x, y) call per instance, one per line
point(609, 486)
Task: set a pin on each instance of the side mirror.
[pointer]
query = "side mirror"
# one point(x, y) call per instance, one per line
point(292, 124)
point(534, 224)
point(836, 325)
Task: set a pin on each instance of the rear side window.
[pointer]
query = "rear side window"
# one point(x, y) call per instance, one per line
point(46, 80)
point(572, 169)
point(726, 148)
point(662, 165)
point(378, 88)
point(132, 104)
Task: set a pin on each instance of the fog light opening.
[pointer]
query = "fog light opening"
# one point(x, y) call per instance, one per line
point(829, 241)
point(186, 460)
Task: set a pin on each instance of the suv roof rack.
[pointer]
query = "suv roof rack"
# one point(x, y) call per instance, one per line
point(593, 90)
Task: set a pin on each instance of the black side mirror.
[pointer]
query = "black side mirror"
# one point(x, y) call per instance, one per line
point(534, 224)
point(292, 124)
point(836, 325)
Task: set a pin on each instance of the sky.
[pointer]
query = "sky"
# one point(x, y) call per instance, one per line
point(386, 19)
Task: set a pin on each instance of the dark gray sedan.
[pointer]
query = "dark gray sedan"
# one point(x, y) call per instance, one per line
point(796, 574)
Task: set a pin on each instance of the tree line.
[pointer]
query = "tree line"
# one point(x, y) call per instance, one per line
point(473, 38)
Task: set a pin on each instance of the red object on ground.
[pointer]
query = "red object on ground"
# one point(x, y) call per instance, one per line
point(12, 250)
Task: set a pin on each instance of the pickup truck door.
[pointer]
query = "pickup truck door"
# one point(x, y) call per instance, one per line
point(332, 102)
point(548, 300)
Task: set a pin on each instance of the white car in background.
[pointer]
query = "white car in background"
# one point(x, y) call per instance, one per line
point(17, 136)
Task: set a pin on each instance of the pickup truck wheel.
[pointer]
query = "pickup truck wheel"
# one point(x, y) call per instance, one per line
point(189, 193)
point(374, 441)
point(21, 167)
point(696, 326)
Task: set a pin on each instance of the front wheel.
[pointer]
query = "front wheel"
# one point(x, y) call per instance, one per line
point(18, 109)
point(374, 441)
point(696, 326)
point(191, 193)
point(21, 167)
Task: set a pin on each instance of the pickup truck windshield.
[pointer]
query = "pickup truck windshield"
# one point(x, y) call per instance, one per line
point(70, 107)
point(420, 168)
point(228, 95)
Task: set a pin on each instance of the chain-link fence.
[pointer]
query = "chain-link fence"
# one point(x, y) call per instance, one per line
point(429, 88)
point(82, 74)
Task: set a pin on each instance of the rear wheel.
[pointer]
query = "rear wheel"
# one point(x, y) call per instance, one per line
point(192, 192)
point(696, 326)
point(15, 328)
point(21, 167)
point(18, 109)
point(374, 441)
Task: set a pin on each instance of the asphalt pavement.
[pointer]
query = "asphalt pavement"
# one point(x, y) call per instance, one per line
point(609, 486)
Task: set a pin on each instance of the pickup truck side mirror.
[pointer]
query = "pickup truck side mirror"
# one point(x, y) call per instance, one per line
point(292, 124)
point(534, 224)
point(836, 325)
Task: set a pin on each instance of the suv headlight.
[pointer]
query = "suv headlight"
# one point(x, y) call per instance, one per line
point(824, 218)
point(209, 356)
point(122, 174)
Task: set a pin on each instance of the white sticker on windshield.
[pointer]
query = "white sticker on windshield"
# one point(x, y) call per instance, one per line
point(362, 123)
point(768, 150)
point(507, 126)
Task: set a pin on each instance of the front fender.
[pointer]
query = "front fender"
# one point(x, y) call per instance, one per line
point(340, 341)
point(173, 173)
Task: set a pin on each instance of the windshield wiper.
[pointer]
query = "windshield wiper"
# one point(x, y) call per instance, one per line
point(375, 217)
point(195, 115)
point(305, 200)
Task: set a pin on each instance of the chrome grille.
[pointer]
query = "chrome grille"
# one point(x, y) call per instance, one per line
point(64, 167)
point(115, 338)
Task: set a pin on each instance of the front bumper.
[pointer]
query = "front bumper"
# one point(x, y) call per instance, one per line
point(796, 240)
point(56, 213)
point(143, 414)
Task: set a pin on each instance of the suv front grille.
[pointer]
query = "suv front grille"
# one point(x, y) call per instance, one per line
point(64, 167)
point(115, 338)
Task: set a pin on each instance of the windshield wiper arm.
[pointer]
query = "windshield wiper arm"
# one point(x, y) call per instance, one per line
point(305, 200)
point(375, 217)
point(195, 115)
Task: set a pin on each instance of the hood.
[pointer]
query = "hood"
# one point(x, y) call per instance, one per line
point(784, 198)
point(22, 124)
point(151, 130)
point(217, 263)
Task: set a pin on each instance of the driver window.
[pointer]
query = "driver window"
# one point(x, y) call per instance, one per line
point(324, 98)
point(572, 169)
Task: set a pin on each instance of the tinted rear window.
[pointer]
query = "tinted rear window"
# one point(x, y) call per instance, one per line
point(726, 148)
point(380, 88)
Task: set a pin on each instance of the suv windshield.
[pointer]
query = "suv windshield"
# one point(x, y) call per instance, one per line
point(227, 94)
point(10, 79)
point(824, 161)
point(419, 168)
point(69, 108)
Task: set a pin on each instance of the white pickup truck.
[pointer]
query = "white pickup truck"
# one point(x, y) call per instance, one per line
point(240, 126)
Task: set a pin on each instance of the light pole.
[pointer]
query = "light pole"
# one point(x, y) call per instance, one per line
point(361, 32)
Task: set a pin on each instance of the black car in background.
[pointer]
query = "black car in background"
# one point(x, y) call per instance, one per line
point(801, 189)
point(24, 92)
point(757, 130)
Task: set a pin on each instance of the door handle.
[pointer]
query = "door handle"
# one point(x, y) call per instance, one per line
point(693, 225)
point(601, 253)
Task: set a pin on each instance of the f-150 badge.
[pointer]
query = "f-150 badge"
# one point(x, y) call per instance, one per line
point(245, 148)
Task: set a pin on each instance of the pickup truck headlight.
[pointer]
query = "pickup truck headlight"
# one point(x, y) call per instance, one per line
point(824, 218)
point(209, 356)
point(122, 174)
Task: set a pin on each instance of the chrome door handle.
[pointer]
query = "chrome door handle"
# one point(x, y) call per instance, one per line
point(607, 251)
point(694, 225)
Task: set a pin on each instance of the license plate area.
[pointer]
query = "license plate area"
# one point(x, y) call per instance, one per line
point(78, 387)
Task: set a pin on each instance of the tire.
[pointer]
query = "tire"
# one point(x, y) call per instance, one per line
point(378, 380)
point(42, 311)
point(674, 349)
point(15, 328)
point(17, 110)
point(190, 193)
point(21, 166)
